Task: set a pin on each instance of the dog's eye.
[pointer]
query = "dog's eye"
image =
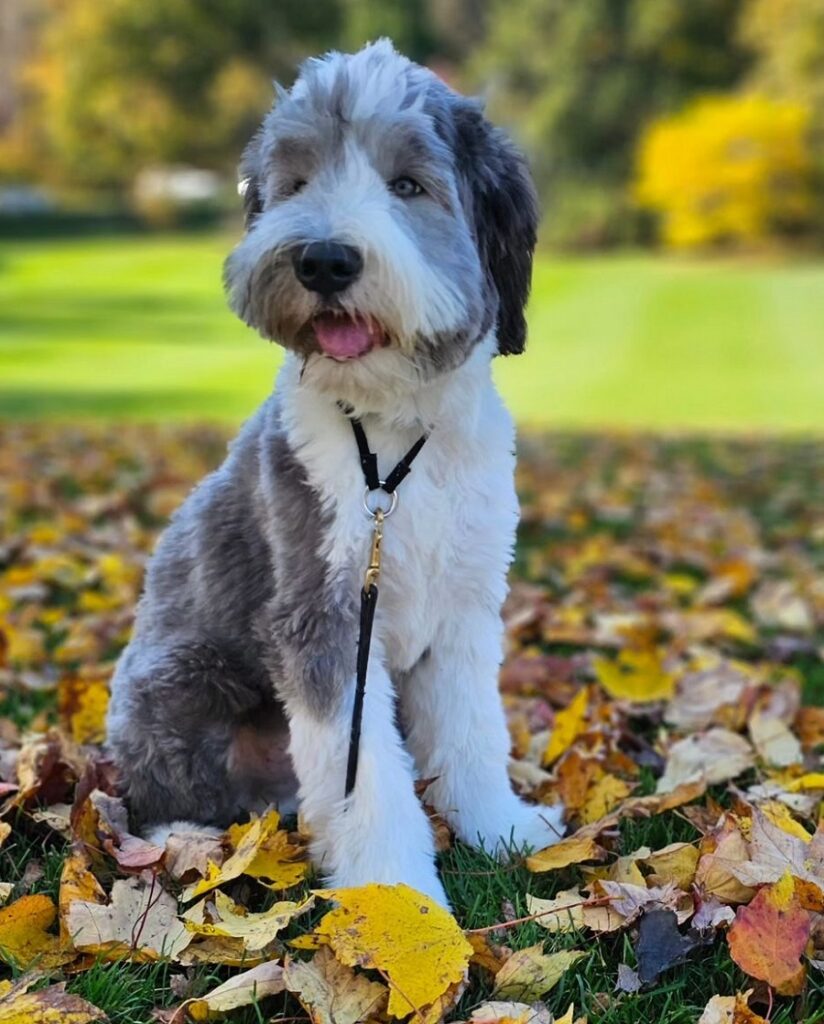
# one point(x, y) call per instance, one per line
point(405, 188)
point(294, 187)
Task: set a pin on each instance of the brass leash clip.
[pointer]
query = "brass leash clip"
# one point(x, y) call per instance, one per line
point(373, 571)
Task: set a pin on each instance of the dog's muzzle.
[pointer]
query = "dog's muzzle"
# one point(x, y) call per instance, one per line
point(327, 267)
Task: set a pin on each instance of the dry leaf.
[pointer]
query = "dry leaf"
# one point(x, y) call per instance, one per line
point(51, 1005)
point(637, 675)
point(774, 851)
point(573, 850)
point(674, 863)
point(243, 990)
point(331, 992)
point(713, 756)
point(769, 936)
point(773, 741)
point(25, 939)
point(567, 727)
point(141, 919)
point(404, 934)
point(228, 920)
point(499, 1012)
point(263, 851)
point(530, 973)
point(564, 913)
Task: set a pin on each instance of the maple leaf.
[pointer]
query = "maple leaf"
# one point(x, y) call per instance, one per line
point(769, 935)
point(530, 973)
point(331, 992)
point(140, 919)
point(660, 945)
point(403, 934)
point(773, 851)
point(45, 1006)
point(674, 863)
point(25, 939)
point(713, 756)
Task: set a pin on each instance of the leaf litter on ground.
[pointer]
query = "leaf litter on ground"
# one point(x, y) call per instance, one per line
point(665, 635)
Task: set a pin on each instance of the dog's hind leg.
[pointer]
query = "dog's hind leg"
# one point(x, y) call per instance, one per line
point(174, 716)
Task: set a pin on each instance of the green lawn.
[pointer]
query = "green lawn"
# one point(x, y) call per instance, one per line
point(137, 326)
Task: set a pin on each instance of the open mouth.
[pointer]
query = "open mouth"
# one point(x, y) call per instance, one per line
point(341, 336)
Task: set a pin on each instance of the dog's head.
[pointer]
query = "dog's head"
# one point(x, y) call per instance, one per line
point(389, 226)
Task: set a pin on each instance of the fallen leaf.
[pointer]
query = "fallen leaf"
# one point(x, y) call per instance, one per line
point(331, 992)
point(632, 900)
point(637, 675)
point(773, 851)
point(82, 704)
point(501, 1012)
point(628, 980)
point(25, 939)
point(189, 854)
point(602, 797)
point(702, 695)
point(573, 850)
point(263, 851)
point(77, 882)
point(530, 973)
point(227, 919)
point(674, 863)
point(773, 741)
point(770, 934)
point(564, 913)
point(140, 919)
point(402, 933)
point(51, 1005)
point(730, 1010)
point(714, 756)
point(660, 945)
point(567, 727)
point(242, 990)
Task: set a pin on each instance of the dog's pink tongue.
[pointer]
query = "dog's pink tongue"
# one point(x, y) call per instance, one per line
point(343, 338)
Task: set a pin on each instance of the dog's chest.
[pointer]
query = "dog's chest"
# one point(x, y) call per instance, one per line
point(448, 541)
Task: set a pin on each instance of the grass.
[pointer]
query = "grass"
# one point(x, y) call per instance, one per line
point(138, 327)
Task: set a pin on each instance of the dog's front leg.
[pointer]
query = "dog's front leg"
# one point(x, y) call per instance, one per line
point(380, 833)
point(457, 732)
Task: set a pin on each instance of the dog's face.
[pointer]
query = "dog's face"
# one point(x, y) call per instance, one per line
point(389, 225)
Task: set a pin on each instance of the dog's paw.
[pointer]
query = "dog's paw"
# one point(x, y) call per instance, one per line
point(523, 826)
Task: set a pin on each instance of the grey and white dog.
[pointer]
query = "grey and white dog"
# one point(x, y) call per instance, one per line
point(388, 248)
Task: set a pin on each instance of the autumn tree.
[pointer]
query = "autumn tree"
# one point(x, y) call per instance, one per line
point(579, 80)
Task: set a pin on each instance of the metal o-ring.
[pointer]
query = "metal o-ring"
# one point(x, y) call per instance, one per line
point(393, 501)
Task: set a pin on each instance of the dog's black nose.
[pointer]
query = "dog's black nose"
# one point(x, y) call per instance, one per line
point(327, 267)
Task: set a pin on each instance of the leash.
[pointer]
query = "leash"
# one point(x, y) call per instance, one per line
point(369, 590)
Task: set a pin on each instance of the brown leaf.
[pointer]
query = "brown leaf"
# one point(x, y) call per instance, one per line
point(332, 993)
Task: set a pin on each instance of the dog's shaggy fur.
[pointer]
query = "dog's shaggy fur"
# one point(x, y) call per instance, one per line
point(251, 602)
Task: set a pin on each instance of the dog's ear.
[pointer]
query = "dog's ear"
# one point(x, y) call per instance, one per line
point(249, 177)
point(504, 209)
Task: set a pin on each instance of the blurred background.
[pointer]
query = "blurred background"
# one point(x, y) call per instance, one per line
point(678, 148)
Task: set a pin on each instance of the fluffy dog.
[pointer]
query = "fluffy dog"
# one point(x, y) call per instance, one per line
point(388, 248)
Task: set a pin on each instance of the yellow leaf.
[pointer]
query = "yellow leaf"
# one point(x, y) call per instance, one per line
point(637, 675)
point(25, 939)
point(331, 992)
point(779, 814)
point(260, 849)
point(83, 704)
point(574, 850)
point(674, 863)
point(530, 973)
point(812, 780)
point(568, 726)
point(564, 913)
point(404, 934)
point(52, 1005)
point(242, 990)
point(604, 794)
point(76, 883)
point(256, 930)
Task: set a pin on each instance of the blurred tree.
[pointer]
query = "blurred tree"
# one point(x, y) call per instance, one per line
point(129, 83)
point(579, 80)
point(788, 39)
point(747, 178)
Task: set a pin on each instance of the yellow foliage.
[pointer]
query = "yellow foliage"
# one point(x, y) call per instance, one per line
point(727, 168)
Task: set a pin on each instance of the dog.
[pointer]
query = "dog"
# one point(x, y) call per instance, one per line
point(388, 248)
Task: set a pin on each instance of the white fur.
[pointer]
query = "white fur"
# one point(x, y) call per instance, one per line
point(446, 552)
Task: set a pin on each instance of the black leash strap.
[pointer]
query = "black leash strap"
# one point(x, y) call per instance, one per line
point(369, 591)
